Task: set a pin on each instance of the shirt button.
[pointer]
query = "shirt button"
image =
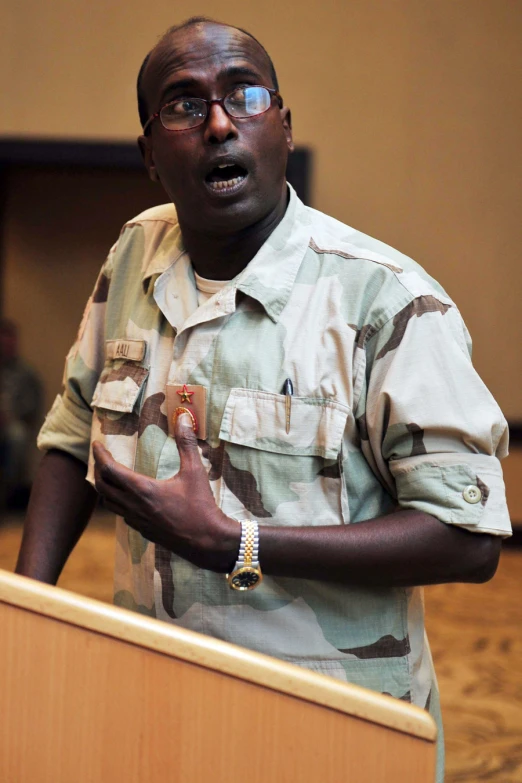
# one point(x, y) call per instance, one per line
point(472, 494)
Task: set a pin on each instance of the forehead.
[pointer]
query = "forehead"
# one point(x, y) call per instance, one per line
point(204, 53)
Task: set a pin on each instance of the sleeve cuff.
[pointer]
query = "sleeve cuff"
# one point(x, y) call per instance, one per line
point(67, 427)
point(463, 490)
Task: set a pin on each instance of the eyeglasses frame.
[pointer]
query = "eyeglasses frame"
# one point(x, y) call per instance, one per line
point(221, 102)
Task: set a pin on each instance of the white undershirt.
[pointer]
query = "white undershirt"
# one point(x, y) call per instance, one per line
point(207, 288)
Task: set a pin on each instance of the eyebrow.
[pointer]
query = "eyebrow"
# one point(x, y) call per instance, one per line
point(241, 70)
point(233, 71)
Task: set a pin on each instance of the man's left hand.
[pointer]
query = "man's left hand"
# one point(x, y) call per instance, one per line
point(178, 513)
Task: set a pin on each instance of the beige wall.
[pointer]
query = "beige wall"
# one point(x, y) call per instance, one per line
point(412, 108)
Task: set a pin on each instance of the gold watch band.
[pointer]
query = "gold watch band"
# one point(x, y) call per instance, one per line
point(246, 573)
point(250, 539)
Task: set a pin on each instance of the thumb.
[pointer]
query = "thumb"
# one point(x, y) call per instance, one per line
point(186, 441)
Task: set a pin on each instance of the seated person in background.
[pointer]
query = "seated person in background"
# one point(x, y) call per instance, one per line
point(20, 417)
point(257, 387)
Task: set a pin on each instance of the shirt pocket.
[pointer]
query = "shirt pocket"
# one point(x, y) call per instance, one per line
point(292, 478)
point(116, 419)
point(119, 386)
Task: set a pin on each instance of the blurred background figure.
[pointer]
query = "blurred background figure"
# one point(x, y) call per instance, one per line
point(21, 404)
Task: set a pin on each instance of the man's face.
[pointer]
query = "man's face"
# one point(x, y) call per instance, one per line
point(209, 61)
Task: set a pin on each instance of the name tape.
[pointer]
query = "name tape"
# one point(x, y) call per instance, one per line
point(134, 350)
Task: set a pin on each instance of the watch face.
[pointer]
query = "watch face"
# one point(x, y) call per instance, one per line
point(245, 579)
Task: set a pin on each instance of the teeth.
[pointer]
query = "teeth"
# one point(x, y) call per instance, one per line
point(224, 165)
point(226, 183)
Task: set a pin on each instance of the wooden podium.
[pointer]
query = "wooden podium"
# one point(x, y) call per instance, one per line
point(90, 693)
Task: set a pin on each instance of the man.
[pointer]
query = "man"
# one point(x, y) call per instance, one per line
point(245, 360)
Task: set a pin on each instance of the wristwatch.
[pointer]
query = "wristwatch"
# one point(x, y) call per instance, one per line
point(246, 573)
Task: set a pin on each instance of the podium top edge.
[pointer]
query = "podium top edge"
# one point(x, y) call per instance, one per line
point(210, 653)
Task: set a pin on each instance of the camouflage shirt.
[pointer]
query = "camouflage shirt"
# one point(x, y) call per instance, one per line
point(387, 411)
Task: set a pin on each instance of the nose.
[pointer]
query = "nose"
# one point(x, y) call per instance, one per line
point(219, 126)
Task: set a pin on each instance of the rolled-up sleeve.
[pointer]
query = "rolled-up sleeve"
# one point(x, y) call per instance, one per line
point(67, 426)
point(435, 433)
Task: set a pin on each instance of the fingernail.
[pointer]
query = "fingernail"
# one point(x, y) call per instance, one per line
point(185, 420)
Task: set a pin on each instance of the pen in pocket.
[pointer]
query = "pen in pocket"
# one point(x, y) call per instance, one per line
point(288, 391)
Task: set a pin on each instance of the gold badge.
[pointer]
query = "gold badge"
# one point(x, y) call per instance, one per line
point(183, 397)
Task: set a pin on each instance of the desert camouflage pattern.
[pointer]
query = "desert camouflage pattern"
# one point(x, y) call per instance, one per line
point(387, 411)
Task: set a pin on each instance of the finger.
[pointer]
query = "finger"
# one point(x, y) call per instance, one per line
point(116, 508)
point(108, 472)
point(101, 456)
point(103, 461)
point(116, 497)
point(186, 442)
point(132, 520)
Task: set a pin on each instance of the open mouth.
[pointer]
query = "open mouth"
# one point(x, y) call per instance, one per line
point(226, 177)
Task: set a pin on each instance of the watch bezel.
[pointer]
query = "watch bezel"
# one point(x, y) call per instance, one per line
point(250, 569)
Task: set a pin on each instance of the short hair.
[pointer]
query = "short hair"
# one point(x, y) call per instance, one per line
point(142, 103)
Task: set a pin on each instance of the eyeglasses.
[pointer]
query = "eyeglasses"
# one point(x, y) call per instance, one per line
point(241, 103)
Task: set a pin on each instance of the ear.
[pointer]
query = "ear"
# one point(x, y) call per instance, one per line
point(145, 145)
point(286, 118)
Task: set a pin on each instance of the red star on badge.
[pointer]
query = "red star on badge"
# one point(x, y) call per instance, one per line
point(185, 394)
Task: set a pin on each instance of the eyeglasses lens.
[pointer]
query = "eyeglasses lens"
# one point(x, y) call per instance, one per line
point(183, 114)
point(191, 112)
point(247, 101)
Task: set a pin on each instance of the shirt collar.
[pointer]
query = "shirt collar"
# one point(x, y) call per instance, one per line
point(168, 251)
point(270, 275)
